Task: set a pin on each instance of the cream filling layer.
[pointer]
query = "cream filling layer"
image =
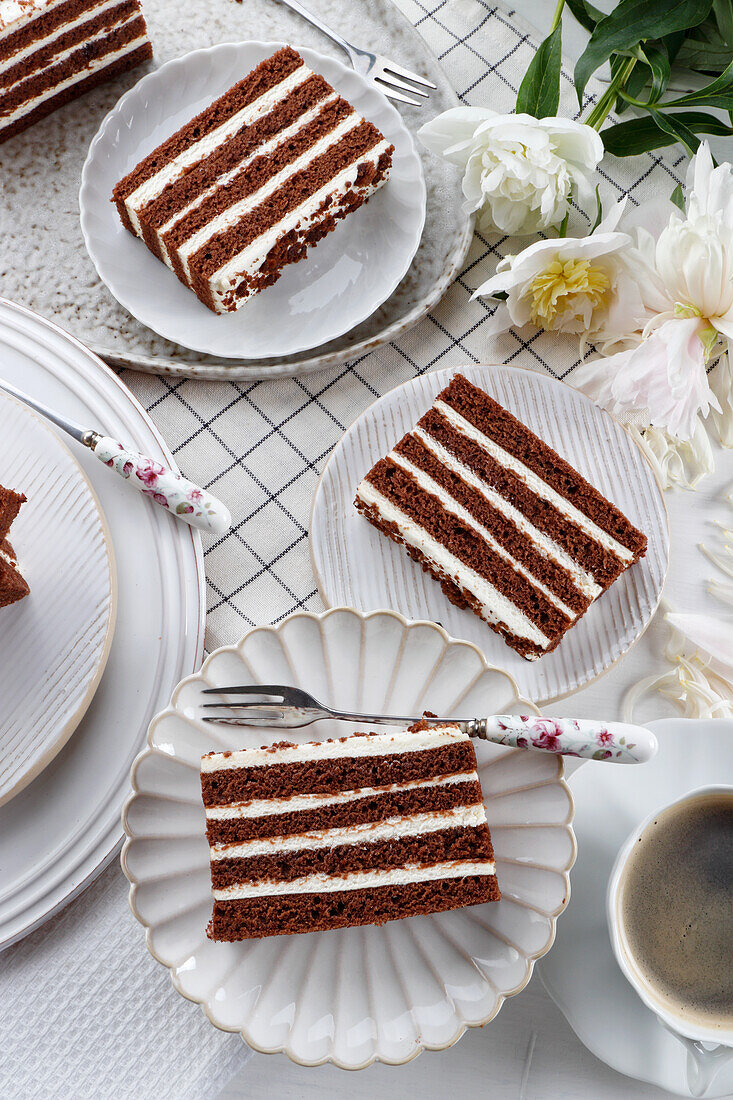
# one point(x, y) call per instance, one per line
point(452, 505)
point(264, 807)
point(358, 880)
point(229, 217)
point(262, 150)
point(9, 559)
point(373, 744)
point(495, 606)
point(81, 74)
point(583, 580)
point(223, 282)
point(389, 828)
point(85, 17)
point(535, 483)
point(152, 187)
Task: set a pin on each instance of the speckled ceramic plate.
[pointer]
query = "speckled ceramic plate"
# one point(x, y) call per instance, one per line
point(336, 286)
point(54, 275)
point(357, 995)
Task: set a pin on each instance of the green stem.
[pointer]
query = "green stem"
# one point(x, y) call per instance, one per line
point(600, 112)
point(557, 16)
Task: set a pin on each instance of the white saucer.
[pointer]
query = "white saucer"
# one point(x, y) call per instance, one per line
point(55, 642)
point(581, 974)
point(356, 995)
point(64, 827)
point(354, 564)
point(339, 284)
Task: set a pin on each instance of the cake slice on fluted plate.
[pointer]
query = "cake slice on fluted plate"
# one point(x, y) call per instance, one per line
point(359, 830)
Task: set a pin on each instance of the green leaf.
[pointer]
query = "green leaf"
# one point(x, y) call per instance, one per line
point(719, 93)
point(678, 198)
point(640, 135)
point(672, 43)
point(539, 92)
point(679, 130)
point(629, 23)
point(585, 13)
point(656, 56)
point(723, 14)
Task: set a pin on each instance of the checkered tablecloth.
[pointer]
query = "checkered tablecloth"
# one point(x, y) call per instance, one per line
point(84, 1010)
point(261, 446)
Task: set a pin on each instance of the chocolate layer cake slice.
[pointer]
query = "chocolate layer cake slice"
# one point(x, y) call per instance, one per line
point(253, 181)
point(52, 51)
point(362, 830)
point(509, 529)
point(13, 587)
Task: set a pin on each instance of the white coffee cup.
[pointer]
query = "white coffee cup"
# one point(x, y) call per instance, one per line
point(708, 1048)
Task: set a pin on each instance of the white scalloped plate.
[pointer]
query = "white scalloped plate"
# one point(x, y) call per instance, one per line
point(339, 284)
point(55, 642)
point(356, 995)
point(354, 564)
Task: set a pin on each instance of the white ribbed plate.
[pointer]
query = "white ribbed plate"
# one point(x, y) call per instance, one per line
point(356, 995)
point(356, 565)
point(55, 642)
point(64, 827)
point(340, 282)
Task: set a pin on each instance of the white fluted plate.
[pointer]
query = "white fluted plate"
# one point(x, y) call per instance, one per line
point(357, 995)
point(335, 287)
point(354, 564)
point(55, 642)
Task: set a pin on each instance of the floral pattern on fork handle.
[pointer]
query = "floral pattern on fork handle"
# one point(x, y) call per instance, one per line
point(168, 489)
point(615, 742)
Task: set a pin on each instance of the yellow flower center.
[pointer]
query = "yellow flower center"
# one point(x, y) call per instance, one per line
point(564, 287)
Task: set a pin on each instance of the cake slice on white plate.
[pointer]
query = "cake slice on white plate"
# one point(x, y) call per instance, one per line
point(252, 182)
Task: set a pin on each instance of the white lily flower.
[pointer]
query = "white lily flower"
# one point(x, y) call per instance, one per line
point(518, 170)
point(567, 284)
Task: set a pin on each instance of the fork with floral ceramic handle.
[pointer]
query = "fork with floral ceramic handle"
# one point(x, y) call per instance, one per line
point(278, 706)
point(161, 484)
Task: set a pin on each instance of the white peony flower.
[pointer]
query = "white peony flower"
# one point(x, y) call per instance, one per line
point(567, 284)
point(676, 461)
point(684, 276)
point(518, 170)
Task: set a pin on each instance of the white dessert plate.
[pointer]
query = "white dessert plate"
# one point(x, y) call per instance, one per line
point(341, 282)
point(582, 975)
point(354, 564)
point(54, 642)
point(356, 995)
point(64, 827)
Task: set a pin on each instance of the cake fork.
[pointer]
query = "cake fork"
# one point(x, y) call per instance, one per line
point(390, 78)
point(283, 707)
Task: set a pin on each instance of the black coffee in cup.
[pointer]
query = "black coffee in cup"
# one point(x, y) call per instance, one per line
point(676, 907)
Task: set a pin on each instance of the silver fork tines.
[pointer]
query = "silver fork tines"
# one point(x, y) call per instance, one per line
point(390, 78)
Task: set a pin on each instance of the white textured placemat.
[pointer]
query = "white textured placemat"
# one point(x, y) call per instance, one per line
point(84, 1011)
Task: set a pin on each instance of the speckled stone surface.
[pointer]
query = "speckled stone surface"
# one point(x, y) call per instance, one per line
point(43, 260)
